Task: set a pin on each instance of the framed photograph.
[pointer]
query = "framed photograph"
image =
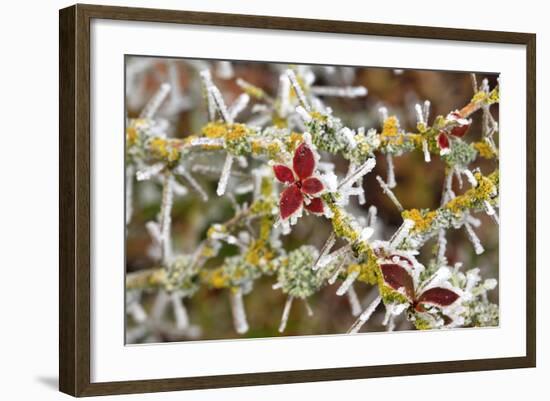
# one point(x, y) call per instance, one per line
point(250, 200)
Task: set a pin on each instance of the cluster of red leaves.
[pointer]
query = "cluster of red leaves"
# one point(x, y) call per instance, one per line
point(459, 130)
point(397, 277)
point(302, 188)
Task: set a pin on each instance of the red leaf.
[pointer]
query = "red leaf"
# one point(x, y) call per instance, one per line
point(315, 206)
point(443, 141)
point(312, 186)
point(398, 277)
point(460, 130)
point(304, 161)
point(291, 201)
point(438, 296)
point(283, 173)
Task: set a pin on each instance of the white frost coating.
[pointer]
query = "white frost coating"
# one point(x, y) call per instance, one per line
point(366, 233)
point(206, 142)
point(349, 135)
point(286, 313)
point(325, 260)
point(337, 272)
point(441, 246)
point(180, 312)
point(304, 114)
point(194, 184)
point(224, 177)
point(391, 171)
point(298, 89)
point(149, 172)
point(309, 311)
point(154, 104)
point(401, 233)
point(159, 306)
point(474, 239)
point(389, 193)
point(284, 94)
point(130, 174)
point(373, 211)
point(491, 212)
point(220, 104)
point(237, 309)
point(472, 278)
point(426, 110)
point(207, 82)
point(419, 113)
point(490, 284)
point(358, 173)
point(439, 278)
point(331, 240)
point(166, 217)
point(154, 231)
point(336, 91)
point(354, 303)
point(427, 156)
point(350, 279)
point(224, 69)
point(475, 222)
point(365, 316)
point(471, 179)
point(239, 105)
point(383, 113)
point(137, 312)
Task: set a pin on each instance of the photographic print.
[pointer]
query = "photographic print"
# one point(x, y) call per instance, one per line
point(279, 199)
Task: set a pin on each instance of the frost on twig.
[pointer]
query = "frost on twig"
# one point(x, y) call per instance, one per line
point(365, 316)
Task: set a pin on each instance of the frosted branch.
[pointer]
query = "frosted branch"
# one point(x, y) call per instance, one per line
point(365, 316)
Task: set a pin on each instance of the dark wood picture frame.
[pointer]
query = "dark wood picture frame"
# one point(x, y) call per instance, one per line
point(74, 199)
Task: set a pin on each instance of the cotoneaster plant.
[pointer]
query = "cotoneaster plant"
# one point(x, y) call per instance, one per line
point(281, 151)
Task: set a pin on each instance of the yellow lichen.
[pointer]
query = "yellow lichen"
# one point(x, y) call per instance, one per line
point(341, 223)
point(214, 130)
point(293, 140)
point(257, 147)
point(422, 219)
point(164, 149)
point(390, 126)
point(486, 190)
point(318, 116)
point(367, 272)
point(273, 149)
point(485, 150)
point(131, 136)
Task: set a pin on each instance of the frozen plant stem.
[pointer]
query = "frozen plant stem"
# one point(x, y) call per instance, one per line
point(348, 282)
point(391, 172)
point(365, 316)
point(389, 193)
point(180, 312)
point(130, 174)
point(331, 240)
point(237, 309)
point(372, 216)
point(401, 233)
point(286, 313)
point(224, 177)
point(298, 90)
point(152, 107)
point(166, 217)
point(474, 239)
point(354, 303)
